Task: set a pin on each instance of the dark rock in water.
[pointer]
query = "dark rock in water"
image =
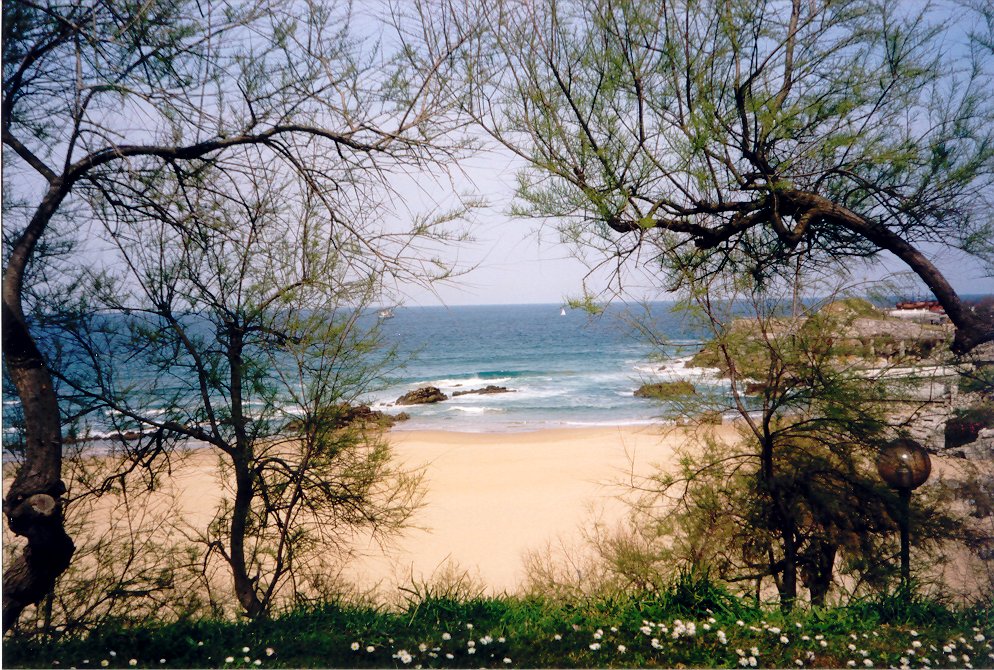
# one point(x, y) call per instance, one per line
point(487, 390)
point(755, 388)
point(126, 436)
point(422, 396)
point(666, 390)
point(364, 415)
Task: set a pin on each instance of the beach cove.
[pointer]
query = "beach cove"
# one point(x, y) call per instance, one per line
point(489, 498)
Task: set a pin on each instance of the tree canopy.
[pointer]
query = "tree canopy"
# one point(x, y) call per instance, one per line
point(744, 135)
point(101, 99)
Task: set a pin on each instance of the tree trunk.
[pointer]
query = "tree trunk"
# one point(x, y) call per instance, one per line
point(33, 505)
point(819, 574)
point(781, 522)
point(245, 586)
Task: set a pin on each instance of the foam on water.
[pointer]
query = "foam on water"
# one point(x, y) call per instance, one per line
point(573, 370)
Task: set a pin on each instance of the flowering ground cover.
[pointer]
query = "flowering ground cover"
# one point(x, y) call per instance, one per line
point(509, 632)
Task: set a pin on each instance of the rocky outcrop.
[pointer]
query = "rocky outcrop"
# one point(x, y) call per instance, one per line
point(422, 396)
point(365, 416)
point(666, 390)
point(487, 390)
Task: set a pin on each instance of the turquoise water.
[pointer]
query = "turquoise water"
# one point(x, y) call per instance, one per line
point(564, 370)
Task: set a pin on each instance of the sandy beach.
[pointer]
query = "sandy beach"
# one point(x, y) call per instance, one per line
point(489, 497)
point(492, 497)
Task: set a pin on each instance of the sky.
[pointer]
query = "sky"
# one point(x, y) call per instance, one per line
point(518, 261)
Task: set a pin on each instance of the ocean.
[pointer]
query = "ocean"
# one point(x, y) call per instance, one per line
point(562, 370)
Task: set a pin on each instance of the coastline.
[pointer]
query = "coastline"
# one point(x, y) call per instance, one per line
point(488, 499)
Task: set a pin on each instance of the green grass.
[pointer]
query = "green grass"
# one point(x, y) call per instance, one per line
point(694, 624)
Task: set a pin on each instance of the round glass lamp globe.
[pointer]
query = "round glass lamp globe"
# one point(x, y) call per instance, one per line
point(904, 464)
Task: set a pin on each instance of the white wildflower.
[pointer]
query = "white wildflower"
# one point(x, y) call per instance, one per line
point(655, 643)
point(850, 664)
point(799, 663)
point(868, 663)
point(743, 661)
point(775, 630)
point(557, 637)
point(646, 630)
point(507, 661)
point(245, 650)
point(355, 646)
point(916, 644)
point(979, 637)
point(823, 643)
point(784, 639)
point(752, 661)
point(229, 659)
point(369, 650)
point(270, 651)
point(594, 646)
point(446, 636)
point(132, 662)
point(622, 649)
point(740, 622)
point(754, 651)
point(104, 663)
point(449, 656)
point(256, 662)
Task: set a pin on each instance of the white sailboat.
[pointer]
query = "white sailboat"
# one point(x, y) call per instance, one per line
point(562, 311)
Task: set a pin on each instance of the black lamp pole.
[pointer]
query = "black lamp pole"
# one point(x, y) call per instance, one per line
point(904, 465)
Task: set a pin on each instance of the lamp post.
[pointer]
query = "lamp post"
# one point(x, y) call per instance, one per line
point(904, 465)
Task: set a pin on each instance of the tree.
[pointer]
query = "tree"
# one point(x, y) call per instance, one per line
point(743, 136)
point(233, 317)
point(99, 98)
point(798, 495)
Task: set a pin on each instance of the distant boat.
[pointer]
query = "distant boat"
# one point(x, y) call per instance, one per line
point(562, 312)
point(386, 313)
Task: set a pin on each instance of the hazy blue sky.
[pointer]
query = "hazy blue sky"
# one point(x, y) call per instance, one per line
point(523, 261)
